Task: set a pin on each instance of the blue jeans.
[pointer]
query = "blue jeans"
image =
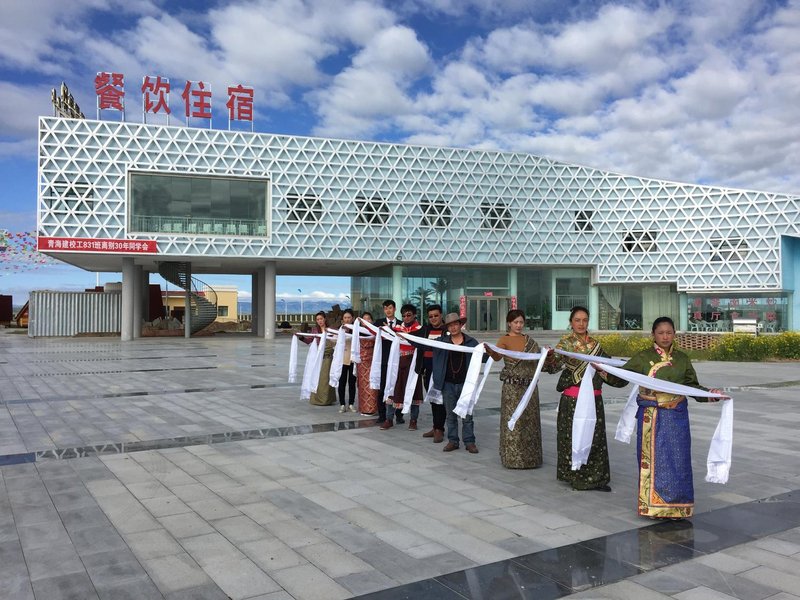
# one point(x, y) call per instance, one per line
point(450, 393)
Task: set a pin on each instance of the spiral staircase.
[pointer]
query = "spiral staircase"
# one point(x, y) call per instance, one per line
point(203, 298)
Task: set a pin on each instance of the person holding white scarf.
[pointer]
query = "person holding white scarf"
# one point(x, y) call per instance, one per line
point(348, 376)
point(666, 488)
point(449, 375)
point(595, 474)
point(520, 448)
point(367, 397)
point(324, 395)
point(387, 412)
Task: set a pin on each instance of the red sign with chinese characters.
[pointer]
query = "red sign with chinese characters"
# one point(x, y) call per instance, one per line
point(110, 90)
point(513, 302)
point(58, 244)
point(240, 103)
point(155, 94)
point(462, 307)
point(197, 100)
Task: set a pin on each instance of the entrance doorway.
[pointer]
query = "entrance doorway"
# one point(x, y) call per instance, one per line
point(487, 313)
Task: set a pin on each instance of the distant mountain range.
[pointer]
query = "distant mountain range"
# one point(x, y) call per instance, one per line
point(293, 307)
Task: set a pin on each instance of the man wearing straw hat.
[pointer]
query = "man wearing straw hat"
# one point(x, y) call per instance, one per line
point(449, 374)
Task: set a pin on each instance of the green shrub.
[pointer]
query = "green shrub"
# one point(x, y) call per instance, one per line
point(742, 347)
point(734, 347)
point(617, 344)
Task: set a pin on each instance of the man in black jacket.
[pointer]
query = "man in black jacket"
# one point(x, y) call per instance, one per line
point(449, 374)
point(433, 330)
point(389, 308)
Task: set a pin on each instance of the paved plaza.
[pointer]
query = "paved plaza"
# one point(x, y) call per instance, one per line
point(190, 469)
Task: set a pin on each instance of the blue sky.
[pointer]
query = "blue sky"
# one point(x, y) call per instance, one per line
point(703, 91)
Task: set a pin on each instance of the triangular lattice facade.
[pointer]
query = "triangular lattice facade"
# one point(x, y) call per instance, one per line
point(349, 200)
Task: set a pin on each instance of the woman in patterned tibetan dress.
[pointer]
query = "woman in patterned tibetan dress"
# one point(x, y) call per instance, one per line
point(596, 473)
point(325, 394)
point(521, 448)
point(367, 397)
point(664, 443)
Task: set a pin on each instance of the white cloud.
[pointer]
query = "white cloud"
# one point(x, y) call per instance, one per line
point(374, 88)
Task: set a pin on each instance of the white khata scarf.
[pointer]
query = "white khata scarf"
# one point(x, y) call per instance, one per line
point(293, 353)
point(338, 357)
point(375, 368)
point(392, 369)
point(585, 418)
point(721, 450)
point(526, 397)
point(308, 371)
point(472, 383)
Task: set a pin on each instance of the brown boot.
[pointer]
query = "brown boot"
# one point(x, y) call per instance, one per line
point(412, 425)
point(387, 424)
point(438, 436)
point(471, 448)
point(450, 447)
point(430, 433)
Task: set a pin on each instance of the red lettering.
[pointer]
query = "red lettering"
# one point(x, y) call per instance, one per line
point(110, 90)
point(155, 94)
point(197, 100)
point(240, 103)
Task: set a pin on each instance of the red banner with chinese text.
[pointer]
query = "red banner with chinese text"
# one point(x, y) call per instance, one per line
point(59, 244)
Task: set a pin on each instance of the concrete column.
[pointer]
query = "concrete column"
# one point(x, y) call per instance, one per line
point(126, 318)
point(594, 307)
point(512, 285)
point(683, 312)
point(255, 302)
point(137, 301)
point(267, 317)
point(145, 295)
point(187, 304)
point(397, 285)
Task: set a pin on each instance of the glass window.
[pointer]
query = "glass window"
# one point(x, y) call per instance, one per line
point(729, 250)
point(207, 205)
point(372, 211)
point(435, 213)
point(639, 241)
point(717, 312)
point(496, 215)
point(583, 220)
point(222, 311)
point(305, 208)
point(573, 291)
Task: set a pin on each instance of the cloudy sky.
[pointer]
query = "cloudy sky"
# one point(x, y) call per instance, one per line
point(704, 91)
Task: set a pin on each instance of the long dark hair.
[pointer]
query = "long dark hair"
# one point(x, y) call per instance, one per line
point(661, 320)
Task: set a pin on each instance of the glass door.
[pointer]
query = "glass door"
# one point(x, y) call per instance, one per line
point(487, 313)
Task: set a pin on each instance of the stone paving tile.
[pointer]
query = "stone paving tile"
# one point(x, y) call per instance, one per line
point(176, 573)
point(320, 495)
point(240, 529)
point(624, 590)
point(185, 525)
point(306, 582)
point(773, 578)
point(240, 578)
point(73, 586)
point(272, 555)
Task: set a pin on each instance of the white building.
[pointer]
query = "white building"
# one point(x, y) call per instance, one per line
point(491, 229)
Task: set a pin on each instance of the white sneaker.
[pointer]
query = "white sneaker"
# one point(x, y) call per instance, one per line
point(342, 408)
point(353, 408)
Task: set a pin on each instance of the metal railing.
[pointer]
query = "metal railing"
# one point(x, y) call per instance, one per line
point(203, 298)
point(195, 226)
point(566, 302)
